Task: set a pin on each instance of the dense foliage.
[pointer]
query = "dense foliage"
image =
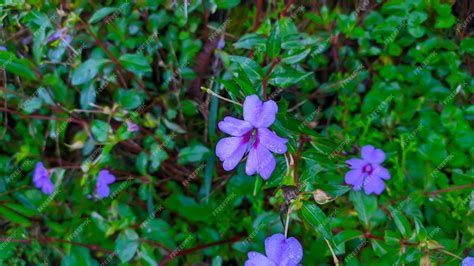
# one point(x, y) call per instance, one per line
point(111, 112)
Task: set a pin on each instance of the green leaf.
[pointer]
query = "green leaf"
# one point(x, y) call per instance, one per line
point(101, 13)
point(188, 208)
point(87, 71)
point(194, 153)
point(189, 108)
point(135, 63)
point(400, 221)
point(129, 99)
point(334, 190)
point(126, 245)
point(21, 67)
point(141, 163)
point(314, 216)
point(287, 76)
point(100, 129)
point(364, 205)
point(251, 68)
point(249, 41)
point(226, 4)
point(293, 56)
point(467, 45)
point(13, 217)
point(274, 42)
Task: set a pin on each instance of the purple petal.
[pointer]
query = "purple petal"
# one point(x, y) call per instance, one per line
point(266, 162)
point(234, 127)
point(47, 187)
point(3, 48)
point(56, 35)
point(381, 172)
point(67, 39)
point(275, 246)
point(226, 146)
point(132, 127)
point(40, 182)
point(468, 261)
point(257, 259)
point(103, 191)
point(53, 37)
point(105, 177)
point(260, 160)
point(272, 141)
point(251, 166)
point(231, 150)
point(40, 172)
point(372, 155)
point(293, 252)
point(258, 114)
point(373, 184)
point(355, 178)
point(356, 163)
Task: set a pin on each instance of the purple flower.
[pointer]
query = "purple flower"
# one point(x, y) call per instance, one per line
point(132, 127)
point(368, 172)
point(251, 136)
point(103, 181)
point(3, 48)
point(468, 261)
point(42, 179)
point(59, 34)
point(280, 252)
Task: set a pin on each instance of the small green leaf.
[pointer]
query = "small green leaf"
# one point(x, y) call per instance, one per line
point(21, 67)
point(274, 42)
point(101, 13)
point(194, 153)
point(100, 129)
point(226, 4)
point(87, 71)
point(135, 63)
point(126, 245)
point(400, 221)
point(13, 216)
point(314, 216)
point(364, 205)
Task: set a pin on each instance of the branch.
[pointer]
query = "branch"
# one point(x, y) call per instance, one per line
point(267, 75)
point(436, 192)
point(49, 240)
point(287, 7)
point(170, 257)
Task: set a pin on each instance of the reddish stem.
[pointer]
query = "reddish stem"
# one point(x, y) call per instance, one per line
point(49, 240)
point(258, 14)
point(191, 250)
point(267, 75)
point(436, 192)
point(287, 7)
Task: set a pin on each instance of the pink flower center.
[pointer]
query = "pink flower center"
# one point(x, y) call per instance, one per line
point(368, 169)
point(251, 138)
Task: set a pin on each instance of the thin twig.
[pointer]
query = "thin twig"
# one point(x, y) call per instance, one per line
point(336, 261)
point(220, 97)
point(267, 75)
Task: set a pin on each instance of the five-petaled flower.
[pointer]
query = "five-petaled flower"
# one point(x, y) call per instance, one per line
point(253, 136)
point(280, 252)
point(42, 179)
point(104, 179)
point(367, 172)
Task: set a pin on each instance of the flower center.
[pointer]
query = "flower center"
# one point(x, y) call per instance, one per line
point(251, 138)
point(368, 169)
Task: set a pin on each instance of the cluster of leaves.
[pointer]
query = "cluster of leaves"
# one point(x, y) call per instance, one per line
point(396, 75)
